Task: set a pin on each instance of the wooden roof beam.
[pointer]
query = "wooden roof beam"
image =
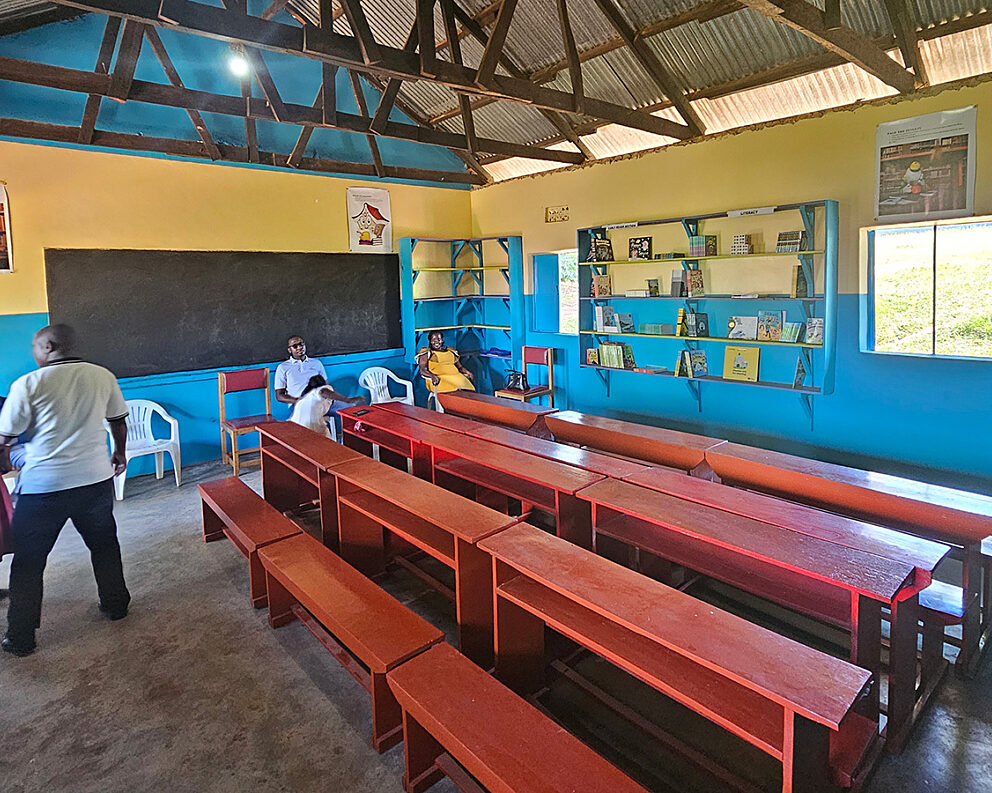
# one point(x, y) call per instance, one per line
point(363, 32)
point(387, 98)
point(808, 20)
point(103, 59)
point(468, 123)
point(300, 148)
point(905, 33)
point(571, 55)
point(127, 60)
point(356, 87)
point(494, 47)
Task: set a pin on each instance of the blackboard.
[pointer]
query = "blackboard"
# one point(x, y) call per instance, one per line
point(146, 312)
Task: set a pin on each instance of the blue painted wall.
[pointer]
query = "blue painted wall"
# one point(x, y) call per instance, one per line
point(191, 397)
point(927, 419)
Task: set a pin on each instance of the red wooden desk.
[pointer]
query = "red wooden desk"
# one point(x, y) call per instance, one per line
point(463, 464)
point(292, 459)
point(446, 421)
point(372, 497)
point(681, 450)
point(834, 583)
point(496, 410)
point(940, 513)
point(778, 695)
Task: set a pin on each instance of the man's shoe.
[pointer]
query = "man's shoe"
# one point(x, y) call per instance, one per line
point(114, 614)
point(18, 650)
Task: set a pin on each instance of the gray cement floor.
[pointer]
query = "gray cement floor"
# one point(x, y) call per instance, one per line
point(194, 692)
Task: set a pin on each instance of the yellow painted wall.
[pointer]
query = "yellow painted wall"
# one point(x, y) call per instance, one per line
point(829, 155)
point(63, 198)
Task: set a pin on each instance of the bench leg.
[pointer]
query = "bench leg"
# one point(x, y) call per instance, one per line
point(904, 629)
point(971, 624)
point(866, 647)
point(257, 588)
point(280, 485)
point(213, 526)
point(474, 602)
point(806, 757)
point(328, 495)
point(387, 727)
point(280, 602)
point(362, 543)
point(519, 644)
point(574, 520)
point(420, 751)
point(932, 665)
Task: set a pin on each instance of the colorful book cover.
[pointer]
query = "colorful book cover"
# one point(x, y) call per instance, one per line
point(626, 323)
point(682, 367)
point(696, 287)
point(603, 249)
point(681, 328)
point(697, 324)
point(654, 287)
point(791, 331)
point(814, 330)
point(592, 356)
point(742, 328)
point(800, 287)
point(602, 285)
point(639, 248)
point(741, 363)
point(678, 283)
point(697, 363)
point(628, 356)
point(770, 325)
point(649, 369)
point(800, 376)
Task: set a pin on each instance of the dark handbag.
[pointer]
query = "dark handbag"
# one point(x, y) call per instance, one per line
point(516, 381)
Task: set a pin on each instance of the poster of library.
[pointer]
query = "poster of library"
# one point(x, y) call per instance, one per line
point(925, 166)
point(5, 265)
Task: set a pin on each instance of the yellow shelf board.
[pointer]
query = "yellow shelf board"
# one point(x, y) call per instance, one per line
point(456, 269)
point(723, 339)
point(771, 254)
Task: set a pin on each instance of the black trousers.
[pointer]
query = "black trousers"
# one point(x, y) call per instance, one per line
point(38, 520)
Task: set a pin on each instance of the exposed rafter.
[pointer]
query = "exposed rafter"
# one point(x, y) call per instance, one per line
point(103, 58)
point(304, 137)
point(27, 21)
point(274, 8)
point(363, 32)
point(313, 42)
point(468, 123)
point(571, 55)
point(905, 32)
point(808, 20)
point(356, 87)
point(494, 47)
point(387, 97)
point(127, 60)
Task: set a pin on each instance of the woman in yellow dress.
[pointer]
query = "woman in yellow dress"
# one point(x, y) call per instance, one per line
point(441, 367)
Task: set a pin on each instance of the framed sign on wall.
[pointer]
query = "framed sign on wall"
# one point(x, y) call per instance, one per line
point(6, 265)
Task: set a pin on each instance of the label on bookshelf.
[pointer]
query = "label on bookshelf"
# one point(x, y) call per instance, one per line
point(612, 226)
point(740, 213)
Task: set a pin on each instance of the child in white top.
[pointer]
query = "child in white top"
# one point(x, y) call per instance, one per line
point(316, 402)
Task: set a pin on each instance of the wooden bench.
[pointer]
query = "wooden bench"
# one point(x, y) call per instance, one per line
point(792, 702)
point(681, 450)
point(461, 723)
point(511, 413)
point(941, 513)
point(232, 509)
point(362, 626)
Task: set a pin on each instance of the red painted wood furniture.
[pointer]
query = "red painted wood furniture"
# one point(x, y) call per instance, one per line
point(834, 583)
point(951, 516)
point(510, 413)
point(476, 468)
point(447, 421)
point(351, 616)
point(461, 723)
point(680, 450)
point(6, 514)
point(534, 356)
point(293, 458)
point(372, 497)
point(233, 428)
point(792, 702)
point(232, 509)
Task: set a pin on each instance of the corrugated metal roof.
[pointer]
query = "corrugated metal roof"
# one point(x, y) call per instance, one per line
point(13, 9)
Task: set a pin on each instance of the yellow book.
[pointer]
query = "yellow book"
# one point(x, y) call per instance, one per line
point(741, 363)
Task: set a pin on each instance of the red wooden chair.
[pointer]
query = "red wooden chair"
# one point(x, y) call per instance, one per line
point(537, 356)
point(232, 382)
point(6, 514)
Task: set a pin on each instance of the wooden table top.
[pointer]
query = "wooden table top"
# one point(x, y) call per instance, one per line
point(316, 449)
point(644, 442)
point(923, 554)
point(459, 516)
point(499, 410)
point(878, 577)
point(444, 420)
point(942, 512)
point(816, 685)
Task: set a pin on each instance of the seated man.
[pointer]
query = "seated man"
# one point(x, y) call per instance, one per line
point(293, 375)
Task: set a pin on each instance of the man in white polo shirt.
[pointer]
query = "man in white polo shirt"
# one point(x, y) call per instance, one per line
point(67, 475)
point(292, 375)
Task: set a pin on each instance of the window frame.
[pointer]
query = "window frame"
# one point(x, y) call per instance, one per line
point(867, 286)
point(542, 298)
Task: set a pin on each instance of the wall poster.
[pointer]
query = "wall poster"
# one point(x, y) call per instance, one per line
point(925, 166)
point(6, 265)
point(369, 215)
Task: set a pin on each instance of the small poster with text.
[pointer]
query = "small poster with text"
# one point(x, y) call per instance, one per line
point(370, 229)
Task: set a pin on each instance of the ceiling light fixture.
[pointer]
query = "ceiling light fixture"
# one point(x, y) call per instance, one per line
point(237, 61)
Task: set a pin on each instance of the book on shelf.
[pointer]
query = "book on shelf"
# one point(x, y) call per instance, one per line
point(602, 285)
point(639, 248)
point(746, 296)
point(696, 287)
point(600, 248)
point(657, 329)
point(682, 365)
point(697, 324)
point(791, 331)
point(791, 242)
point(636, 293)
point(681, 325)
point(649, 369)
point(814, 330)
point(800, 286)
point(592, 356)
point(671, 255)
point(702, 245)
point(770, 325)
point(742, 328)
point(678, 284)
point(654, 288)
point(697, 363)
point(800, 376)
point(741, 363)
point(741, 245)
point(626, 323)
point(628, 356)
point(606, 319)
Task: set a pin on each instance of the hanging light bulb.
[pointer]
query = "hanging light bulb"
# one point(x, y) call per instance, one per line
point(237, 61)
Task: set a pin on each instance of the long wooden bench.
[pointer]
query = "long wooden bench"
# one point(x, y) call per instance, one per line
point(232, 509)
point(792, 702)
point(523, 416)
point(362, 626)
point(461, 723)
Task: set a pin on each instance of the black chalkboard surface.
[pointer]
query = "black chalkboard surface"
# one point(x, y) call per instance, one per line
point(146, 312)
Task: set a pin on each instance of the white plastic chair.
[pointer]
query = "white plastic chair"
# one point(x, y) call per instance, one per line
point(376, 379)
point(437, 402)
point(141, 441)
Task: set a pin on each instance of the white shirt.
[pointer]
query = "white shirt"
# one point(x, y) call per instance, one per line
point(310, 411)
point(61, 408)
point(293, 375)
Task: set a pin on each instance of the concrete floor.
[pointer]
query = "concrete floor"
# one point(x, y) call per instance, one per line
point(194, 692)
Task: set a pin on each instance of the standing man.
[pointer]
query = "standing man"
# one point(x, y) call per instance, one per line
point(66, 475)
